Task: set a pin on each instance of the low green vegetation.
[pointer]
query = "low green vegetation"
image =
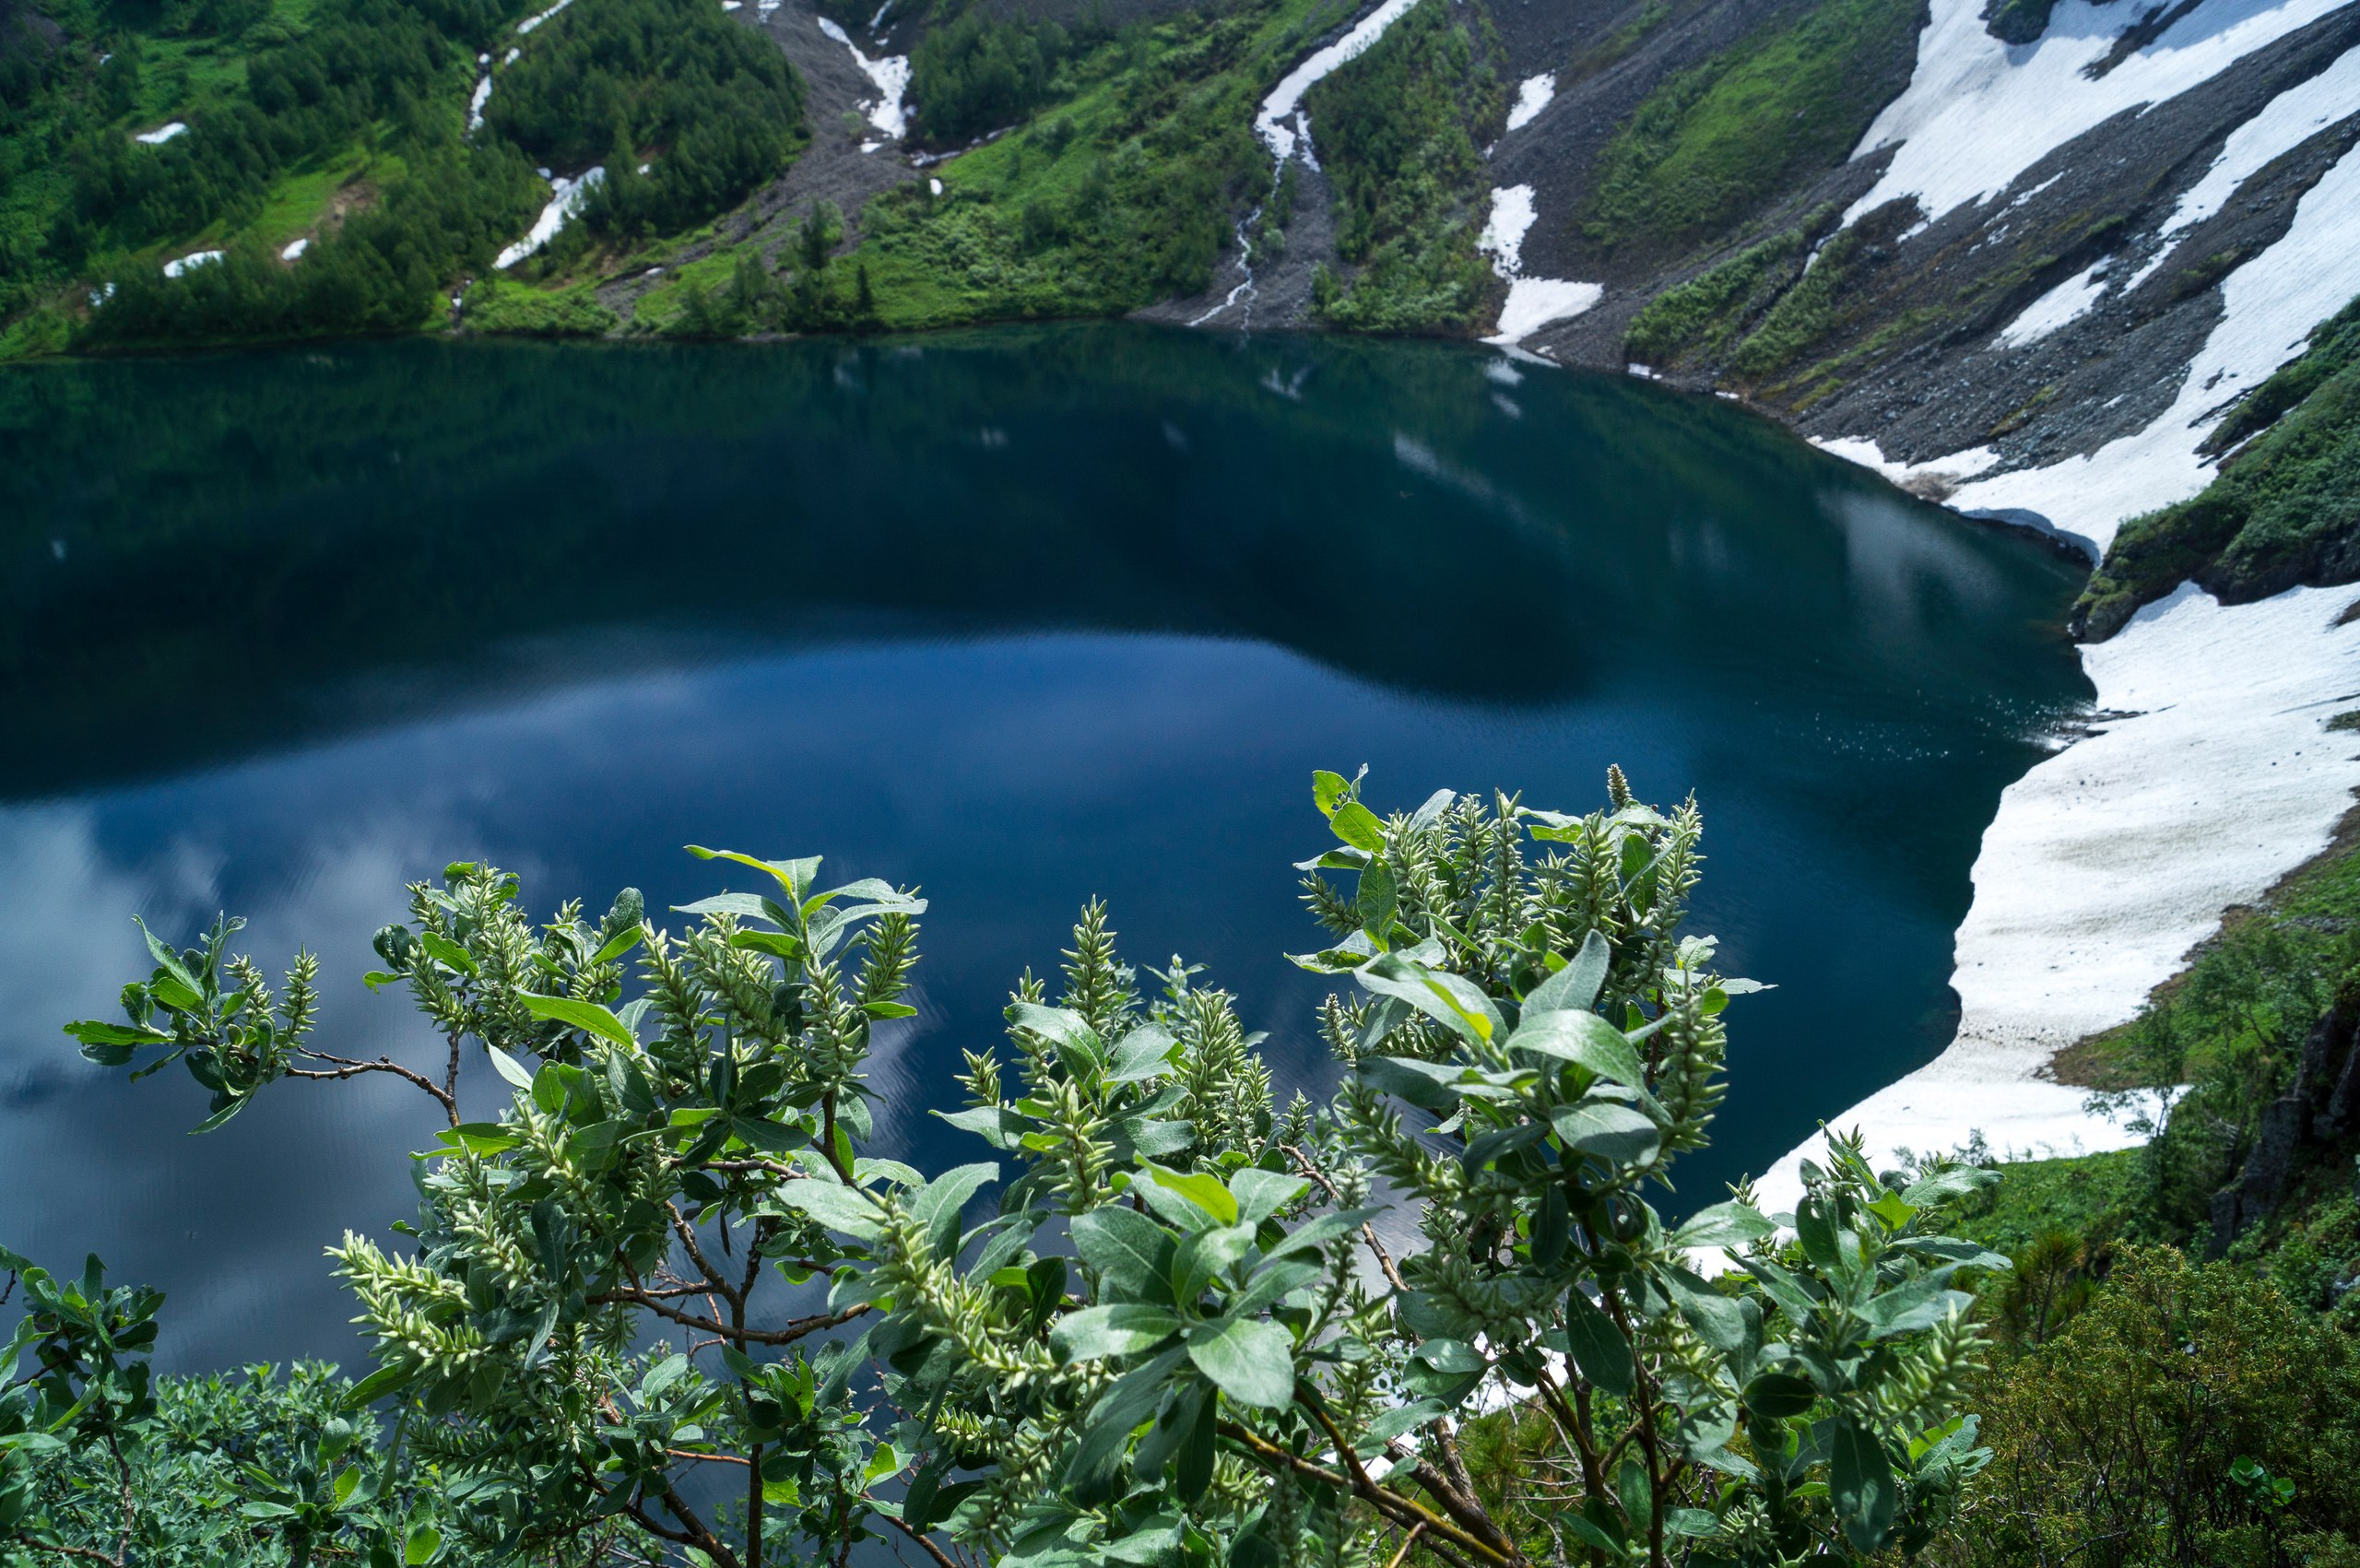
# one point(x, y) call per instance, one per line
point(1398, 130)
point(1116, 195)
point(1713, 145)
point(2284, 510)
point(517, 310)
point(1709, 314)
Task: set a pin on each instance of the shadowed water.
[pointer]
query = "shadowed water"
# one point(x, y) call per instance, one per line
point(1022, 617)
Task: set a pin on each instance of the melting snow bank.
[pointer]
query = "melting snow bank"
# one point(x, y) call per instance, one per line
point(199, 258)
point(891, 76)
point(2110, 860)
point(1532, 303)
point(294, 251)
point(474, 104)
point(162, 134)
point(1285, 102)
point(565, 201)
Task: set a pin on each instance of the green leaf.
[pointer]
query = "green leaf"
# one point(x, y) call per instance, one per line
point(1261, 1194)
point(794, 875)
point(1860, 1484)
point(1567, 1035)
point(1144, 1053)
point(1451, 1000)
point(835, 1206)
point(1597, 1346)
point(1199, 1188)
point(1722, 1225)
point(1249, 1359)
point(586, 1015)
point(1123, 1329)
point(937, 1205)
point(1609, 1130)
point(1358, 826)
point(883, 1011)
point(1078, 1045)
point(509, 1067)
point(1131, 1253)
point(1328, 791)
point(448, 952)
point(1573, 988)
point(420, 1547)
point(1718, 1320)
point(92, 1033)
point(1120, 1412)
point(1427, 1085)
point(1780, 1395)
point(1377, 900)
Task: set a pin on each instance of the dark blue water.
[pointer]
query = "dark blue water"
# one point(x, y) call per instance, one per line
point(1022, 617)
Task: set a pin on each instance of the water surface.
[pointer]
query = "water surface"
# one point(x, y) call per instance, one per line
point(1023, 617)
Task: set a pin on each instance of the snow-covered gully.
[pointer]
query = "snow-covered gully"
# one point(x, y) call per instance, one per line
point(2214, 773)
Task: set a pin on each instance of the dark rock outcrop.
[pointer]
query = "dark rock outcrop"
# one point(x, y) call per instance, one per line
point(2319, 1111)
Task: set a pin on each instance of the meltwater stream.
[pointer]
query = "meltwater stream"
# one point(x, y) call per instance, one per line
point(1023, 617)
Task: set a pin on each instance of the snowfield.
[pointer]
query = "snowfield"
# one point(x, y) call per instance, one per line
point(2113, 858)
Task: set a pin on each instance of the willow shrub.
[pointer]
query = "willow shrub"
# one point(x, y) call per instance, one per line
point(2190, 1414)
point(665, 1287)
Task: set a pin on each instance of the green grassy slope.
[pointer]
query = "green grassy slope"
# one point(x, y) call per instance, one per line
point(343, 123)
point(2286, 509)
point(1713, 144)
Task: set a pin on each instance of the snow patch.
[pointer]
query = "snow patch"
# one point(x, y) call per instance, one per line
point(195, 258)
point(474, 104)
point(2069, 302)
point(1532, 96)
point(295, 250)
point(1532, 303)
point(2107, 861)
point(1504, 231)
point(565, 200)
point(529, 23)
point(2270, 305)
point(162, 134)
point(1958, 466)
point(891, 76)
point(1978, 112)
point(1285, 102)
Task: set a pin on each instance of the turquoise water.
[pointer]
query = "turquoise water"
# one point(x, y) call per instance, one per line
point(1024, 616)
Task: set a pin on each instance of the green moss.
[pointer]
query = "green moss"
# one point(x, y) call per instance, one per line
point(1711, 144)
point(2283, 511)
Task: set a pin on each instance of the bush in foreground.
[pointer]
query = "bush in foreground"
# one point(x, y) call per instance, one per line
point(662, 1291)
